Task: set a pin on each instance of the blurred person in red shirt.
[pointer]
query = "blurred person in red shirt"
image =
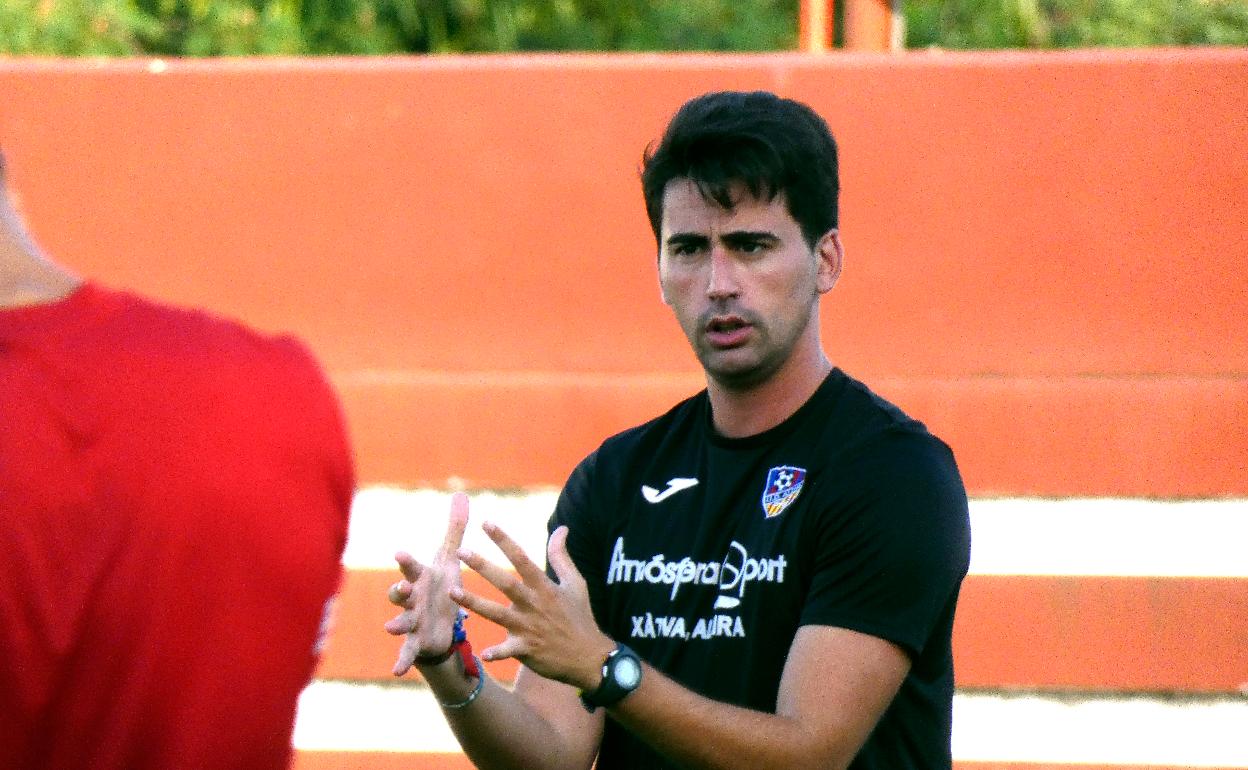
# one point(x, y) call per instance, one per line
point(174, 494)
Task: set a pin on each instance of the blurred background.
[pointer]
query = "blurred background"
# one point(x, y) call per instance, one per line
point(363, 27)
point(1044, 206)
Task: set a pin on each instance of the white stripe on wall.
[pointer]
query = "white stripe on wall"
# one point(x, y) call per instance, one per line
point(1109, 536)
point(384, 520)
point(341, 716)
point(1083, 536)
point(1111, 731)
point(1206, 732)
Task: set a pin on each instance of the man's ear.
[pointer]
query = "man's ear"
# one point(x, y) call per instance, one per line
point(830, 254)
point(659, 274)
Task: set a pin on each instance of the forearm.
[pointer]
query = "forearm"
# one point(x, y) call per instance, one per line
point(499, 730)
point(697, 732)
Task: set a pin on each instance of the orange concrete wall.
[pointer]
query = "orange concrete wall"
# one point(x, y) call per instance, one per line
point(1045, 251)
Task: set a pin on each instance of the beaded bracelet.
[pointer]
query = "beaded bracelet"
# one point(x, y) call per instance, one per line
point(466, 702)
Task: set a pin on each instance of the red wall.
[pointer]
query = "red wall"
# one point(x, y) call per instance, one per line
point(1045, 251)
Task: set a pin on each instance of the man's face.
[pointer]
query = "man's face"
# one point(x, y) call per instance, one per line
point(743, 283)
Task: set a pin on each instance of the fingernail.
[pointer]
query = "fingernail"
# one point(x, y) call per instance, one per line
point(464, 553)
point(456, 592)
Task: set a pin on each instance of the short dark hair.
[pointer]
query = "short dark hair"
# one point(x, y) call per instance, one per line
point(769, 144)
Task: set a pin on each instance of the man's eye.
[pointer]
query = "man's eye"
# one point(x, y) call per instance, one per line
point(685, 249)
point(750, 247)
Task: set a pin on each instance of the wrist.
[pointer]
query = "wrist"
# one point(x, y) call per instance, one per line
point(451, 681)
point(621, 675)
point(430, 661)
point(458, 656)
point(589, 673)
point(447, 673)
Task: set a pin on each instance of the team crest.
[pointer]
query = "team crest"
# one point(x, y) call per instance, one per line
point(784, 483)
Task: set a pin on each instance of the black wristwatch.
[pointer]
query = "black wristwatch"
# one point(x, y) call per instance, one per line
point(621, 674)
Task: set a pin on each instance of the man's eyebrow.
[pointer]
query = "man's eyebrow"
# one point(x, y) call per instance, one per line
point(687, 239)
point(737, 237)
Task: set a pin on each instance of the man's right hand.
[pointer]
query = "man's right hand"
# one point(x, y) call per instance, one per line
point(428, 615)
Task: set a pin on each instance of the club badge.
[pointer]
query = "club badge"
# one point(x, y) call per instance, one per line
point(784, 483)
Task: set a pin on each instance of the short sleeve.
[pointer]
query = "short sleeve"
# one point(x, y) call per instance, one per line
point(575, 510)
point(894, 545)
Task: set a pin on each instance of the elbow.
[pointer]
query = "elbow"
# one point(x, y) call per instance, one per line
point(818, 752)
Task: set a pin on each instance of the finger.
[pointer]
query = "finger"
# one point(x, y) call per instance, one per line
point(529, 572)
point(511, 647)
point(407, 657)
point(457, 523)
point(561, 561)
point(408, 565)
point(403, 623)
point(502, 579)
point(486, 608)
point(400, 592)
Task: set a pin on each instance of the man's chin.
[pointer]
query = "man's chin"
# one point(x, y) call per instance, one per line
point(739, 374)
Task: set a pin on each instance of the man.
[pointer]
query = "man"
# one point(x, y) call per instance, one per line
point(174, 491)
point(766, 575)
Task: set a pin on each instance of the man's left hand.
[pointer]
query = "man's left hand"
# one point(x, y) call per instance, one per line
point(550, 626)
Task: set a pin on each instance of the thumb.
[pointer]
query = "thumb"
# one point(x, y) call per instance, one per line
point(559, 559)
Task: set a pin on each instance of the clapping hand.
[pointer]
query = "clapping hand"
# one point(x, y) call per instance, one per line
point(424, 594)
point(550, 626)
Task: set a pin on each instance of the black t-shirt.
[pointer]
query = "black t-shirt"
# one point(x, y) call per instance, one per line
point(705, 554)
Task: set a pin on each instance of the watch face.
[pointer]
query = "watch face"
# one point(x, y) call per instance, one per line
point(627, 673)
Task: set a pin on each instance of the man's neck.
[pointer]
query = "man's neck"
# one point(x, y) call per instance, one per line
point(27, 279)
point(740, 413)
point(26, 276)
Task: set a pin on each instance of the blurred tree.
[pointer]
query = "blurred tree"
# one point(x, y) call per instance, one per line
point(242, 27)
point(1074, 23)
point(75, 27)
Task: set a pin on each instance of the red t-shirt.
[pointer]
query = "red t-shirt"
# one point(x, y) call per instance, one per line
point(174, 491)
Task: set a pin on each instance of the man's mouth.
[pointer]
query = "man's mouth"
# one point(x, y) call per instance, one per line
point(726, 331)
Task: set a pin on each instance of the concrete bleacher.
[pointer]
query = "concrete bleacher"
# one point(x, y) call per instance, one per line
point(1044, 263)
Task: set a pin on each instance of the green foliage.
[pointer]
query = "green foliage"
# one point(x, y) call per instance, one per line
point(310, 27)
point(74, 27)
point(237, 27)
point(1074, 23)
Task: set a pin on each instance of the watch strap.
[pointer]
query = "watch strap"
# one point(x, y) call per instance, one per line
point(610, 691)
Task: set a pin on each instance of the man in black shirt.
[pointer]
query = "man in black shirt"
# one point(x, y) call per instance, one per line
point(766, 575)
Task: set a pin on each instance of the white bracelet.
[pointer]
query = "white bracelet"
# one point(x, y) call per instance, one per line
point(466, 702)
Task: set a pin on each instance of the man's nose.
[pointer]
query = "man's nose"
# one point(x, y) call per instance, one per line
point(722, 282)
